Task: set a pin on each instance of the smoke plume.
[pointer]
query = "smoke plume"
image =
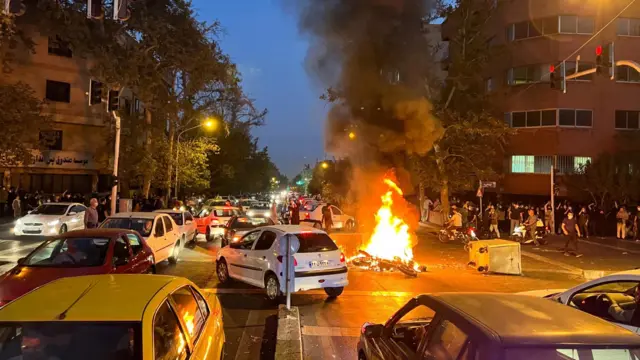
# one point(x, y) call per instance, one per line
point(374, 58)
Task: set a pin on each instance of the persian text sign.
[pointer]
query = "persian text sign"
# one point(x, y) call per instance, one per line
point(63, 160)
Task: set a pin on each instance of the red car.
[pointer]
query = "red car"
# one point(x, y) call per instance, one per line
point(76, 253)
point(211, 220)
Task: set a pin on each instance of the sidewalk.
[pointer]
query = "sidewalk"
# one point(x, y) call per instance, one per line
point(6, 220)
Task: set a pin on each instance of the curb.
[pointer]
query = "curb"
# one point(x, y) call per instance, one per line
point(289, 337)
point(571, 270)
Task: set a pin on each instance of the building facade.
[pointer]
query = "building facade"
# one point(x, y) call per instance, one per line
point(566, 130)
point(77, 155)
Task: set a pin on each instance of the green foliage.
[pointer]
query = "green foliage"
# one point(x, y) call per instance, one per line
point(609, 178)
point(21, 122)
point(193, 170)
point(333, 182)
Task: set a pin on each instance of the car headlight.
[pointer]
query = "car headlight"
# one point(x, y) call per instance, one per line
point(54, 223)
point(18, 222)
point(267, 213)
point(249, 213)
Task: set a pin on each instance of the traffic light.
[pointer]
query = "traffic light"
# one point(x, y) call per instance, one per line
point(605, 60)
point(114, 100)
point(15, 7)
point(557, 77)
point(94, 9)
point(95, 92)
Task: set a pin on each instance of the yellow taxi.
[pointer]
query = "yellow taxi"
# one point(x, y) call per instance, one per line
point(100, 317)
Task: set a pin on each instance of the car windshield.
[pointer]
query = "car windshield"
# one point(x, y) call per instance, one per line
point(70, 341)
point(177, 217)
point(248, 222)
point(310, 206)
point(315, 242)
point(569, 353)
point(260, 206)
point(50, 209)
point(143, 226)
point(71, 252)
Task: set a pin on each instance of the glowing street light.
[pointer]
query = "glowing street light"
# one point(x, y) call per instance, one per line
point(324, 165)
point(352, 135)
point(209, 123)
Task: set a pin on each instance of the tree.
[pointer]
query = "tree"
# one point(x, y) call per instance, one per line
point(609, 178)
point(21, 122)
point(333, 181)
point(194, 174)
point(473, 137)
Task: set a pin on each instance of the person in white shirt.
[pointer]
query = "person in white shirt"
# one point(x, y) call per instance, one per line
point(426, 207)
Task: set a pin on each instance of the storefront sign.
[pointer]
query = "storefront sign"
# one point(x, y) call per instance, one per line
point(63, 159)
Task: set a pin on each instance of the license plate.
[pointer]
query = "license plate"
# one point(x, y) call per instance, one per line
point(320, 263)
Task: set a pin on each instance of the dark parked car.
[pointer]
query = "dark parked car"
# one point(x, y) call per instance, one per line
point(76, 253)
point(238, 226)
point(479, 326)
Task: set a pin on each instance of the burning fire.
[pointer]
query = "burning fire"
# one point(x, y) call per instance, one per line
point(391, 238)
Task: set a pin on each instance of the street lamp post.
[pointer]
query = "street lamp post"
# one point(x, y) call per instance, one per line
point(208, 123)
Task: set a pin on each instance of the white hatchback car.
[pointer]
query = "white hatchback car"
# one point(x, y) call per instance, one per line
point(51, 219)
point(595, 296)
point(187, 227)
point(311, 214)
point(158, 230)
point(255, 260)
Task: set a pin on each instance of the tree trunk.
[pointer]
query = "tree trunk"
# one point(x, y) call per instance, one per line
point(444, 199)
point(170, 171)
point(444, 179)
point(146, 187)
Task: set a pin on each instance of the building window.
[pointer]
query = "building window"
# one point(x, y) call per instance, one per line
point(59, 47)
point(549, 117)
point(534, 28)
point(571, 69)
point(58, 91)
point(627, 74)
point(51, 139)
point(530, 164)
point(571, 24)
point(628, 27)
point(525, 74)
point(627, 120)
point(571, 164)
point(489, 85)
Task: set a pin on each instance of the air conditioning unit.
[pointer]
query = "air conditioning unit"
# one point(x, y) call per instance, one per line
point(496, 256)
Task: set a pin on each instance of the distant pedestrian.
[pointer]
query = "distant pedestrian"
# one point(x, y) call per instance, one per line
point(583, 222)
point(515, 217)
point(17, 209)
point(327, 219)
point(426, 207)
point(4, 198)
point(621, 228)
point(102, 210)
point(493, 220)
point(294, 213)
point(91, 215)
point(571, 231)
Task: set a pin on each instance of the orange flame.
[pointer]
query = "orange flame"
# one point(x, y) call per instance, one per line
point(391, 238)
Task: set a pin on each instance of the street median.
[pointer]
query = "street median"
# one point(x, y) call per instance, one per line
point(289, 338)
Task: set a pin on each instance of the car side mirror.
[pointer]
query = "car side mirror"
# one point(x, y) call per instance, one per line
point(120, 261)
point(71, 213)
point(21, 260)
point(374, 330)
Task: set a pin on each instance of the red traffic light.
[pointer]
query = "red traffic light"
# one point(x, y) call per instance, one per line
point(552, 69)
point(598, 50)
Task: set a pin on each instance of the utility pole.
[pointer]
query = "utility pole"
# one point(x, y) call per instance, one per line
point(114, 189)
point(553, 205)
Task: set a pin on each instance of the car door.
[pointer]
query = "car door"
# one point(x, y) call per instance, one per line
point(139, 261)
point(336, 217)
point(189, 225)
point(122, 257)
point(157, 240)
point(74, 218)
point(238, 254)
point(170, 232)
point(446, 340)
point(261, 256)
point(169, 339)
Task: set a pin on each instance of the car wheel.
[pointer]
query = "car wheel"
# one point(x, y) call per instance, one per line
point(222, 271)
point(272, 286)
point(208, 235)
point(334, 292)
point(195, 237)
point(173, 259)
point(63, 228)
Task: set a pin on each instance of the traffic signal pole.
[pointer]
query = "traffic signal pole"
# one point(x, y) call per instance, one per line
point(114, 189)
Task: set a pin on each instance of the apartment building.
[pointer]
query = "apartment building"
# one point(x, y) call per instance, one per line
point(595, 115)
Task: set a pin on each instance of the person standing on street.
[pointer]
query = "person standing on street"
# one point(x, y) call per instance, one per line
point(4, 197)
point(515, 216)
point(15, 205)
point(426, 207)
point(621, 228)
point(493, 220)
point(583, 222)
point(327, 220)
point(91, 215)
point(294, 213)
point(571, 231)
point(636, 222)
point(102, 210)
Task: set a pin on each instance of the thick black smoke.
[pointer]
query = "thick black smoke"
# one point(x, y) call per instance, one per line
point(374, 57)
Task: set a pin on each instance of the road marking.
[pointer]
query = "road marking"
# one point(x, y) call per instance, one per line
point(610, 246)
point(222, 291)
point(330, 331)
point(252, 331)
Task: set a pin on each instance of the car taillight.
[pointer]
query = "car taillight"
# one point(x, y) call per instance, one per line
point(307, 216)
point(342, 259)
point(364, 327)
point(295, 262)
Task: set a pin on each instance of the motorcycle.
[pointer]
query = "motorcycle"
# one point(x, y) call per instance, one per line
point(521, 234)
point(465, 236)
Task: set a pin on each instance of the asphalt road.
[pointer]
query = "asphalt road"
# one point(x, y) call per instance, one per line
point(330, 327)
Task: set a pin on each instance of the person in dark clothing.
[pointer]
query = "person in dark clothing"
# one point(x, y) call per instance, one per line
point(294, 213)
point(159, 204)
point(583, 222)
point(327, 220)
point(571, 231)
point(531, 224)
point(101, 210)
